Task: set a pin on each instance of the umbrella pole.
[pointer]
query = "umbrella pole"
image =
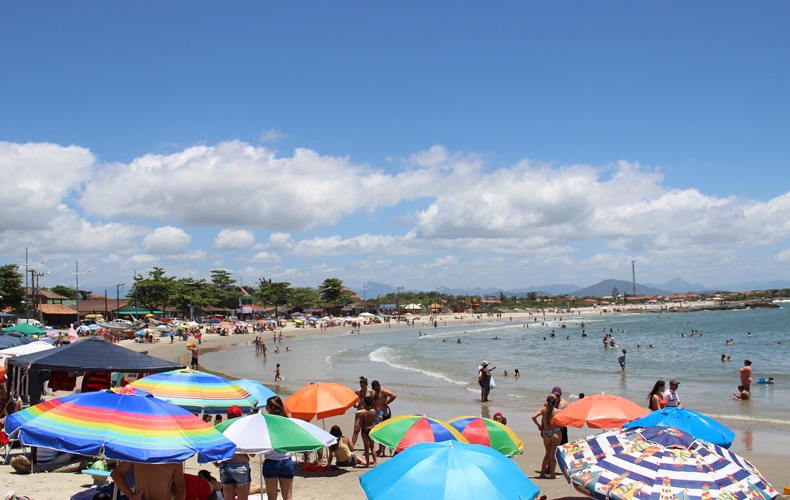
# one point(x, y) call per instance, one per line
point(260, 472)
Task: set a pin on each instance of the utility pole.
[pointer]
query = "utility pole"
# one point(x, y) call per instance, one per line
point(77, 278)
point(633, 278)
point(37, 286)
point(118, 297)
point(398, 305)
point(27, 299)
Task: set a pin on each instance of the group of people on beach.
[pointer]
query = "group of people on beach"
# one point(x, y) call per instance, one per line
point(373, 407)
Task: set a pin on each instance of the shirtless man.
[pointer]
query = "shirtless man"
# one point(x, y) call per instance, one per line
point(365, 420)
point(382, 398)
point(746, 375)
point(195, 354)
point(151, 481)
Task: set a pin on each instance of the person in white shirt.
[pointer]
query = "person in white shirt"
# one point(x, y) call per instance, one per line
point(671, 395)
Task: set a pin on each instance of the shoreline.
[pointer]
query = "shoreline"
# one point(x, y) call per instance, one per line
point(759, 447)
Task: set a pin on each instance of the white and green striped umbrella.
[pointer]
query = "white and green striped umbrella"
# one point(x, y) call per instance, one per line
point(259, 433)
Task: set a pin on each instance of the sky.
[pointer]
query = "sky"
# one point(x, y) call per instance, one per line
point(418, 144)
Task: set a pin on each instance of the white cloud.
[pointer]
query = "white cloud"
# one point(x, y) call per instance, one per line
point(271, 135)
point(234, 239)
point(167, 240)
point(280, 240)
point(783, 257)
point(236, 184)
point(433, 207)
point(39, 177)
point(266, 258)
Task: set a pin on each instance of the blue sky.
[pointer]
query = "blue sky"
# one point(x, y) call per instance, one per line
point(424, 144)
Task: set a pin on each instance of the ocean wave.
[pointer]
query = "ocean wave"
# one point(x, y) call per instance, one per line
point(385, 355)
point(751, 419)
point(330, 359)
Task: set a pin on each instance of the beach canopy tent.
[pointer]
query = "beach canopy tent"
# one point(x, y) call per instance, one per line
point(131, 310)
point(91, 354)
point(25, 328)
point(21, 350)
point(13, 339)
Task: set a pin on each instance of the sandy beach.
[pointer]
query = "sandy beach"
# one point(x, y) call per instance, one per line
point(344, 484)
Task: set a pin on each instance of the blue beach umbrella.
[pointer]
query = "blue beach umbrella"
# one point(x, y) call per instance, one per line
point(256, 390)
point(448, 470)
point(698, 425)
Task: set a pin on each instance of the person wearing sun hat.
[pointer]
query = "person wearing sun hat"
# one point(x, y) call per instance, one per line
point(484, 380)
point(671, 395)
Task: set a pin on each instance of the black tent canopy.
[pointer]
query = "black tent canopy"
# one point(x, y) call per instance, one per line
point(92, 354)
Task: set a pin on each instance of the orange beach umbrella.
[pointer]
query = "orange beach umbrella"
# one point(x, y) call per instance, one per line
point(599, 411)
point(320, 400)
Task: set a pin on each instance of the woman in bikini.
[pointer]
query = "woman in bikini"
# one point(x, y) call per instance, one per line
point(551, 434)
point(655, 400)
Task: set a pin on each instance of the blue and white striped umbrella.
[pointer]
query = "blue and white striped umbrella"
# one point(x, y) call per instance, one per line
point(658, 463)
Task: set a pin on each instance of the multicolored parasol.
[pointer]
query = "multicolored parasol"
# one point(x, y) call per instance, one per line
point(196, 391)
point(406, 430)
point(488, 432)
point(658, 463)
point(122, 426)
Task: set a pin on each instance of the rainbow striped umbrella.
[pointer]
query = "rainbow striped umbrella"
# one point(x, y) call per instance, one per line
point(196, 391)
point(405, 430)
point(121, 426)
point(488, 432)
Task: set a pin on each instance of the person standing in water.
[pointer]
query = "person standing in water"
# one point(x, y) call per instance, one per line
point(621, 360)
point(746, 375)
point(484, 380)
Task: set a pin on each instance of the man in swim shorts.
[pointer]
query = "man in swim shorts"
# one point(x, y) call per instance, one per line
point(381, 403)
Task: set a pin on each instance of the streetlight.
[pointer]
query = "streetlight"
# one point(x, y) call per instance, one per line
point(398, 305)
point(27, 270)
point(77, 277)
point(118, 297)
point(36, 286)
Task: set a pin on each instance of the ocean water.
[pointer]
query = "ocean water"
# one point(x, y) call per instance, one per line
point(429, 370)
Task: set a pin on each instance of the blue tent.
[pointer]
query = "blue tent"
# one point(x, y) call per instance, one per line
point(14, 339)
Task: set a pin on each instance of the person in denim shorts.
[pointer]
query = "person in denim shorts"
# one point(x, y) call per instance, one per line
point(277, 467)
point(234, 474)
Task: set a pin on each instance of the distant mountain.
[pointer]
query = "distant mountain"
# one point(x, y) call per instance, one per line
point(678, 285)
point(542, 290)
point(605, 287)
point(373, 290)
point(755, 285)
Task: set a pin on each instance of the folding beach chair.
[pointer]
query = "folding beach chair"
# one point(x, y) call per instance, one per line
point(8, 445)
